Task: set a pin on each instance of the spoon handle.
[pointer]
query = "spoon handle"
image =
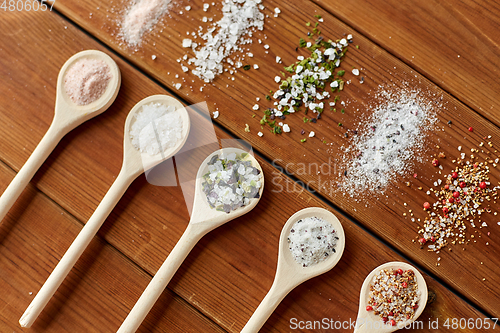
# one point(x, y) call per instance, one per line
point(160, 280)
point(76, 249)
point(266, 307)
point(23, 177)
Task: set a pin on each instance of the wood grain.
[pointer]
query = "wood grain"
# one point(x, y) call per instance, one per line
point(380, 213)
point(228, 272)
point(99, 290)
point(456, 45)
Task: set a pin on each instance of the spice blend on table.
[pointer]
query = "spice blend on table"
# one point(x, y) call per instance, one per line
point(156, 128)
point(86, 80)
point(394, 295)
point(463, 198)
point(231, 182)
point(312, 240)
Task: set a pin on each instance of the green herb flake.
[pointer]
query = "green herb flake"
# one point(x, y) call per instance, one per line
point(357, 46)
point(308, 24)
point(341, 73)
point(340, 124)
point(317, 16)
point(268, 97)
point(302, 42)
point(303, 140)
point(343, 111)
point(337, 98)
point(247, 67)
point(324, 141)
point(305, 119)
point(316, 24)
point(263, 121)
point(253, 116)
point(267, 112)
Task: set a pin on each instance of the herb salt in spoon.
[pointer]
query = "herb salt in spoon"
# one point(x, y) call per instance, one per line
point(87, 85)
point(229, 183)
point(155, 129)
point(393, 296)
point(311, 243)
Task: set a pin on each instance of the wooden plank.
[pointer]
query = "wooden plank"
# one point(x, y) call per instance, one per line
point(456, 45)
point(383, 215)
point(228, 273)
point(97, 293)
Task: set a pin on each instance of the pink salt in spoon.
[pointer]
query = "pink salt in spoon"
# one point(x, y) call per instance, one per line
point(68, 116)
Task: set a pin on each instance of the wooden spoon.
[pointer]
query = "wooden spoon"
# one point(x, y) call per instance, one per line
point(134, 164)
point(68, 115)
point(203, 220)
point(369, 322)
point(290, 273)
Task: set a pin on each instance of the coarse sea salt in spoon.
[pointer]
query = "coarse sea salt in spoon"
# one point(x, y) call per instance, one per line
point(368, 321)
point(134, 164)
point(68, 115)
point(204, 219)
point(290, 273)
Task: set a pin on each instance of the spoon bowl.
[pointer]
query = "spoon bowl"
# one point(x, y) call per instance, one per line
point(203, 220)
point(67, 116)
point(369, 322)
point(134, 164)
point(290, 273)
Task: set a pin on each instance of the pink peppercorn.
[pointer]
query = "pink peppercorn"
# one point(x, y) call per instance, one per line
point(482, 185)
point(451, 200)
point(369, 308)
point(456, 194)
point(462, 184)
point(447, 187)
point(393, 322)
point(404, 284)
point(400, 271)
point(445, 210)
point(454, 175)
point(427, 205)
point(435, 162)
point(470, 129)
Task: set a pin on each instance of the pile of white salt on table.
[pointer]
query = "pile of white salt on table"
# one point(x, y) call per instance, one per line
point(140, 18)
point(156, 128)
point(388, 143)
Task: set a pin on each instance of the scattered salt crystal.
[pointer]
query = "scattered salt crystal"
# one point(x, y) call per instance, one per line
point(311, 134)
point(255, 66)
point(250, 54)
point(286, 128)
point(178, 86)
point(187, 42)
point(205, 7)
point(278, 59)
point(86, 80)
point(260, 134)
point(277, 79)
point(355, 71)
point(277, 10)
point(256, 107)
point(216, 114)
point(266, 46)
point(153, 57)
point(188, 8)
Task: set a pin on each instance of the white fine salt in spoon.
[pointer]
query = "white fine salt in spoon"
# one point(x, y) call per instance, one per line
point(68, 115)
point(369, 322)
point(134, 164)
point(290, 273)
point(203, 220)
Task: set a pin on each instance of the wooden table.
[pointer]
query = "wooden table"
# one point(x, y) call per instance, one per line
point(450, 49)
